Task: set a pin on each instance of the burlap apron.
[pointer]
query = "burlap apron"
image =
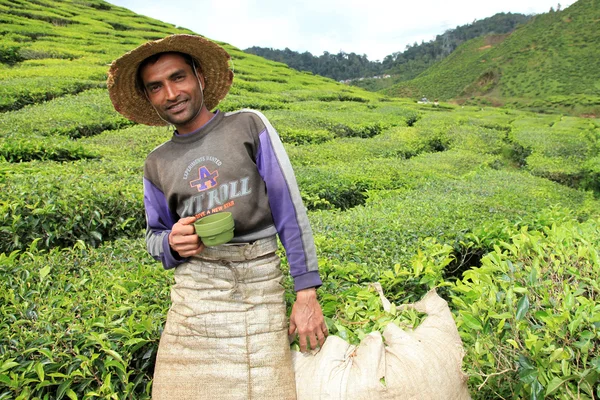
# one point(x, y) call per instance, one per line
point(226, 331)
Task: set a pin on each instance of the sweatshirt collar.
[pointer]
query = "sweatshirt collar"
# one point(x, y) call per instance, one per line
point(200, 132)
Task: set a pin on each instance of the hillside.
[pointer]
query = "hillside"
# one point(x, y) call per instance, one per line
point(402, 65)
point(497, 209)
point(549, 63)
point(408, 64)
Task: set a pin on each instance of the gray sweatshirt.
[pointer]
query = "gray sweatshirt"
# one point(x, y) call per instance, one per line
point(235, 162)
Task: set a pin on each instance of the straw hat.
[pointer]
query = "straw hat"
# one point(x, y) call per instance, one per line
point(133, 104)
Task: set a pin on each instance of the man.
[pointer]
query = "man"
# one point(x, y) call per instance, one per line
point(226, 334)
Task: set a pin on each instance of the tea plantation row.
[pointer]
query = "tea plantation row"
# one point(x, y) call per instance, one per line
point(87, 320)
point(422, 203)
point(100, 198)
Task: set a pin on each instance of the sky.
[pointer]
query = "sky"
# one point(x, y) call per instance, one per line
point(376, 28)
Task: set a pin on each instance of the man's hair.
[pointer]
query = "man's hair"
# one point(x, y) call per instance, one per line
point(189, 60)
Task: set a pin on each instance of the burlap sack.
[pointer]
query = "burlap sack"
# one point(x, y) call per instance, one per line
point(420, 365)
point(226, 331)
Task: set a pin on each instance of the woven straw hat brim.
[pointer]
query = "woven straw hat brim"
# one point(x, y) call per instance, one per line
point(133, 105)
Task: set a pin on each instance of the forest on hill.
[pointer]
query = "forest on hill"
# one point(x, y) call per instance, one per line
point(497, 209)
point(548, 64)
point(402, 65)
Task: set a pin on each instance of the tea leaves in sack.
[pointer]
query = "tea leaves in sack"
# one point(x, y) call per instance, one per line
point(424, 363)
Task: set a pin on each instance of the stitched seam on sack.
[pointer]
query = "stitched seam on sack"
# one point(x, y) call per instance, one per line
point(248, 359)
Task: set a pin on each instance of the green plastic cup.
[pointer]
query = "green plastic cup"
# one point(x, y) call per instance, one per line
point(215, 229)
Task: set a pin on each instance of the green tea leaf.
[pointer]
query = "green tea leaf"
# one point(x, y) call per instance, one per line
point(592, 377)
point(39, 368)
point(555, 383)
point(522, 307)
point(524, 363)
point(97, 235)
point(528, 375)
point(537, 390)
point(115, 355)
point(62, 389)
point(4, 379)
point(114, 363)
point(44, 272)
point(8, 364)
point(596, 364)
point(472, 322)
point(504, 315)
point(527, 371)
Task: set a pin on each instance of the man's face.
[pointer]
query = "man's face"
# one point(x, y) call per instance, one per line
point(174, 91)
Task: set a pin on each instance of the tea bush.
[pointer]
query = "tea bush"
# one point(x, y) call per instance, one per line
point(58, 71)
point(560, 150)
point(80, 321)
point(126, 148)
point(395, 143)
point(305, 136)
point(55, 149)
point(10, 55)
point(87, 202)
point(346, 184)
point(19, 92)
point(236, 102)
point(341, 118)
point(86, 114)
point(529, 315)
point(387, 229)
point(591, 175)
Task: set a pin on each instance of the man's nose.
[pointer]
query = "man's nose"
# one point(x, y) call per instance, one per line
point(171, 91)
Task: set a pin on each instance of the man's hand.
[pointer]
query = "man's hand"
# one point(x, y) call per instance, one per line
point(307, 320)
point(183, 238)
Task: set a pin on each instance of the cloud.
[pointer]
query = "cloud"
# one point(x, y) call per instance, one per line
point(375, 27)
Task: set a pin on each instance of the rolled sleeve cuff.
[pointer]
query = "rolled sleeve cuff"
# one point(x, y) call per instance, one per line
point(307, 280)
point(170, 259)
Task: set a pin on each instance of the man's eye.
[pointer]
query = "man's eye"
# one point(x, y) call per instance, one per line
point(179, 78)
point(154, 88)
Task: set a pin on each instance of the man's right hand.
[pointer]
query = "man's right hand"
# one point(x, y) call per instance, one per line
point(183, 238)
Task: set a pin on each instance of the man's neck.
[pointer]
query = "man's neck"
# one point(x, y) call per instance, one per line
point(209, 118)
point(198, 122)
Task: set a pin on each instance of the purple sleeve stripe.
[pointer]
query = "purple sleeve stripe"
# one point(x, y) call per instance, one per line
point(277, 150)
point(282, 206)
point(158, 225)
point(157, 209)
point(289, 213)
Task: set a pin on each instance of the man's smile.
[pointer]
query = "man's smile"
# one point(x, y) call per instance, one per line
point(177, 106)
